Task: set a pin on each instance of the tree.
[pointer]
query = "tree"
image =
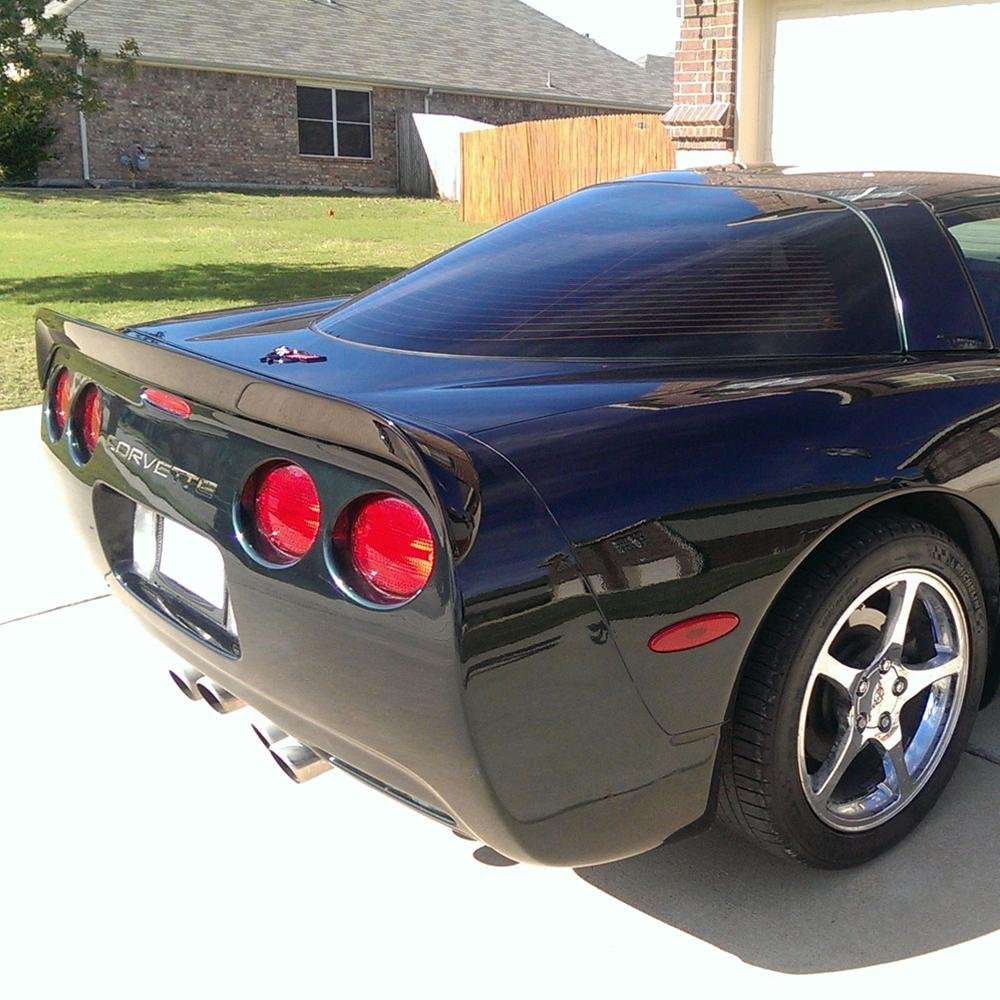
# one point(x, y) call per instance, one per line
point(43, 64)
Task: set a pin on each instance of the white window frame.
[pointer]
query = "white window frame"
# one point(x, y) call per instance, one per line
point(336, 121)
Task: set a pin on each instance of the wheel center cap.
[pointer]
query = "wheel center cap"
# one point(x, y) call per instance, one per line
point(879, 697)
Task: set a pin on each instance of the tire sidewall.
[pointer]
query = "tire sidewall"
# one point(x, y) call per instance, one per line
point(807, 835)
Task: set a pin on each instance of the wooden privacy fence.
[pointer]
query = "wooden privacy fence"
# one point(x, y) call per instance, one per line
point(510, 170)
point(415, 175)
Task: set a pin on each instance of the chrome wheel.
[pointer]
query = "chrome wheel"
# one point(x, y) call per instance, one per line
point(883, 700)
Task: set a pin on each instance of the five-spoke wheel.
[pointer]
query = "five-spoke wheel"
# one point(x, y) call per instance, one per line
point(883, 699)
point(858, 695)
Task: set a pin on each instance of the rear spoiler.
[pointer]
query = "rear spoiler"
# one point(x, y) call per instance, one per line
point(151, 360)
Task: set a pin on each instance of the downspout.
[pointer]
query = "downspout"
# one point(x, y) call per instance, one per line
point(84, 146)
point(427, 100)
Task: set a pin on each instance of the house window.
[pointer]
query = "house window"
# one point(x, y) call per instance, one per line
point(335, 122)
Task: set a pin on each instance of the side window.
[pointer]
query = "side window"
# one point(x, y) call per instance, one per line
point(977, 233)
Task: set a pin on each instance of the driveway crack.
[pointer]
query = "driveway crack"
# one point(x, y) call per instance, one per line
point(60, 607)
point(982, 755)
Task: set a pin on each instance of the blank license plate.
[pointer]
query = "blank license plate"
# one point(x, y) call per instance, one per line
point(180, 555)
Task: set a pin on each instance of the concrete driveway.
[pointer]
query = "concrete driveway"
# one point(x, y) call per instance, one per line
point(151, 848)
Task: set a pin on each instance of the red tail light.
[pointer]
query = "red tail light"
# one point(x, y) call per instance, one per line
point(391, 546)
point(284, 504)
point(88, 420)
point(60, 400)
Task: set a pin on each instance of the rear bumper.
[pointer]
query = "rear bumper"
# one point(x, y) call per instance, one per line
point(548, 755)
point(459, 793)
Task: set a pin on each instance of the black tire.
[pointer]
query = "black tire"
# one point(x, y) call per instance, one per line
point(761, 793)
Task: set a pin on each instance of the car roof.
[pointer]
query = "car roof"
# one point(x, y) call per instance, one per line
point(943, 192)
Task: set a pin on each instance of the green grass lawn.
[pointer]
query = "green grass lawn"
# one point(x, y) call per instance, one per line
point(121, 257)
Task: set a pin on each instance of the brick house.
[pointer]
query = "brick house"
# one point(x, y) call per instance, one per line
point(863, 84)
point(307, 92)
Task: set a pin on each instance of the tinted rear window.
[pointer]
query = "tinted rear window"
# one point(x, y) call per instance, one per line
point(645, 270)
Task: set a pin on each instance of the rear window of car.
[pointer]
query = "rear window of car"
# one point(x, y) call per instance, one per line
point(977, 233)
point(645, 270)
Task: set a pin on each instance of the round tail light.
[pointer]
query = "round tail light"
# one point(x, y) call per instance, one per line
point(88, 420)
point(60, 401)
point(284, 508)
point(390, 546)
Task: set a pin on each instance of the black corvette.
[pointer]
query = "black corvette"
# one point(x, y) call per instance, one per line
point(676, 498)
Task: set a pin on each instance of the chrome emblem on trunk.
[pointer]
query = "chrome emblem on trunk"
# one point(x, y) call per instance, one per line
point(146, 461)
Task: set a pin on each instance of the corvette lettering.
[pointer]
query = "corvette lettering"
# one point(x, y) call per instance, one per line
point(134, 455)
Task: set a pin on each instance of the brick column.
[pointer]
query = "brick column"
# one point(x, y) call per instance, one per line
point(702, 117)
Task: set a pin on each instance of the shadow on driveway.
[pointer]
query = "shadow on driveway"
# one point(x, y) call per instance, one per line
point(939, 888)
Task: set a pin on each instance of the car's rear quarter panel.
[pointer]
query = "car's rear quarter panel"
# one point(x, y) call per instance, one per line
point(571, 749)
point(706, 495)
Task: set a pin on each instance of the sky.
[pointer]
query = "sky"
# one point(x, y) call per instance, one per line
point(629, 27)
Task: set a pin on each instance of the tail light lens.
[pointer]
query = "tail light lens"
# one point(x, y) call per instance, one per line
point(60, 400)
point(390, 546)
point(284, 507)
point(88, 420)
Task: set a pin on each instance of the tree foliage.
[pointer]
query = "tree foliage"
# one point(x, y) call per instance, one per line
point(44, 63)
point(26, 134)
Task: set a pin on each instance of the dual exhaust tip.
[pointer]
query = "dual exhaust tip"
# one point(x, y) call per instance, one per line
point(198, 687)
point(297, 760)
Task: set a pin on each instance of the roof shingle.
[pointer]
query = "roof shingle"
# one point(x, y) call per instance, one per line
point(501, 47)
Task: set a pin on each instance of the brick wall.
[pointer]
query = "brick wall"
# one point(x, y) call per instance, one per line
point(229, 128)
point(705, 76)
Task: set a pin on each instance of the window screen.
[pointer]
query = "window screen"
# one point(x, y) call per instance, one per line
point(335, 122)
point(977, 233)
point(645, 270)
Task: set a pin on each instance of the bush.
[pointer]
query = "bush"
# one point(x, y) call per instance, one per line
point(26, 134)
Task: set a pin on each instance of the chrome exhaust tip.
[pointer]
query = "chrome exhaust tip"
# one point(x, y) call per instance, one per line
point(217, 697)
point(186, 679)
point(267, 732)
point(299, 762)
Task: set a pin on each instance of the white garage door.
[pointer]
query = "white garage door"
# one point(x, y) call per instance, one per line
point(885, 85)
